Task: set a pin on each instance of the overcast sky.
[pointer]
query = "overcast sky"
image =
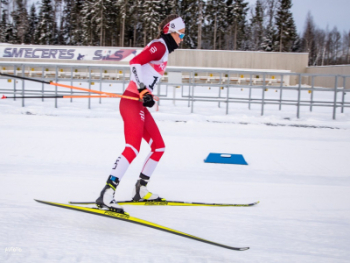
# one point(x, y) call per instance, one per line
point(325, 12)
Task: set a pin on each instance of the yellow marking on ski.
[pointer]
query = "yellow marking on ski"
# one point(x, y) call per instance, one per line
point(166, 203)
point(126, 217)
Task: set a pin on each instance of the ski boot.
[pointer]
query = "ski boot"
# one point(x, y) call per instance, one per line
point(141, 193)
point(106, 198)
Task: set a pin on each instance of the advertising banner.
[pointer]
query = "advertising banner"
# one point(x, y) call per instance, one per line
point(70, 53)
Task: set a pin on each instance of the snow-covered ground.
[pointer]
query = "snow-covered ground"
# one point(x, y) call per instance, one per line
point(299, 173)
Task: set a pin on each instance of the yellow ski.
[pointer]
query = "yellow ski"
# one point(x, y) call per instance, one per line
point(126, 217)
point(168, 203)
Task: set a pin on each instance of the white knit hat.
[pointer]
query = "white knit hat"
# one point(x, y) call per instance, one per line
point(174, 25)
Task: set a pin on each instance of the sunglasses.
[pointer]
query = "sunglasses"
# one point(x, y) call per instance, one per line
point(181, 35)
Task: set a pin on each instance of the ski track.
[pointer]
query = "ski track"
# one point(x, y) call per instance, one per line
point(300, 175)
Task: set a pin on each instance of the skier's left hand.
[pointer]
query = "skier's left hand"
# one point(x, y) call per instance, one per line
point(146, 97)
point(148, 100)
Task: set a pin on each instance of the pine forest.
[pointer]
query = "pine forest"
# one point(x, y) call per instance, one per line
point(268, 26)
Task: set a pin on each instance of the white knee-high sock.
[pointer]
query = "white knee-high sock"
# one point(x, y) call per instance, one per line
point(120, 167)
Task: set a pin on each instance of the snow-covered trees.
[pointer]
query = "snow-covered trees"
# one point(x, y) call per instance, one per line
point(72, 22)
point(267, 25)
point(46, 25)
point(151, 19)
point(257, 27)
point(189, 11)
point(4, 36)
point(102, 13)
point(123, 12)
point(32, 24)
point(237, 10)
point(308, 41)
point(20, 21)
point(135, 24)
point(286, 29)
point(216, 21)
point(166, 8)
point(269, 38)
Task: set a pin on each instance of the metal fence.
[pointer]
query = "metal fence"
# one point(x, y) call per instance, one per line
point(191, 81)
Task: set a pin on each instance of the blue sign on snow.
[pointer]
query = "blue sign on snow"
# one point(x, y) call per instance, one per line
point(225, 158)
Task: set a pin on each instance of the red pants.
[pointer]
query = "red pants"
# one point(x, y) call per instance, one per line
point(138, 124)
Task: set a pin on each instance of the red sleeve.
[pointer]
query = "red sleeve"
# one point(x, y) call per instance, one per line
point(155, 51)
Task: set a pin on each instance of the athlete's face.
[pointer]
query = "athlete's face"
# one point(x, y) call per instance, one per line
point(176, 36)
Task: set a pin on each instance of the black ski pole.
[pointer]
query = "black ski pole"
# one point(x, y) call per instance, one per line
point(25, 78)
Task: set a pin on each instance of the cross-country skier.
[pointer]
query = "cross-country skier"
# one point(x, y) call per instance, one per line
point(146, 70)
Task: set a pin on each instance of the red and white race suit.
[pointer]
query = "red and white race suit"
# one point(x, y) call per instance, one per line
point(147, 67)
